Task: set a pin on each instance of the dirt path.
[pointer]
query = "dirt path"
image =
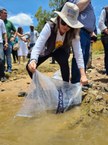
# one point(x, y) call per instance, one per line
point(19, 81)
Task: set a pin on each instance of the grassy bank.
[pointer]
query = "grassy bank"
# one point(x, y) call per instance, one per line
point(97, 47)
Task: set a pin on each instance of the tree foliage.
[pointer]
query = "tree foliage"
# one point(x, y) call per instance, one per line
point(56, 4)
point(42, 15)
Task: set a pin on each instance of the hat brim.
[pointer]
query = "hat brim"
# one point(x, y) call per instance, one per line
point(69, 22)
point(54, 20)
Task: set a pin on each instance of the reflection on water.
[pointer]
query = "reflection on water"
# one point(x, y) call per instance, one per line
point(50, 129)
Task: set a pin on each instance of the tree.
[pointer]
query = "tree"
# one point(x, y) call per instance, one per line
point(56, 4)
point(43, 16)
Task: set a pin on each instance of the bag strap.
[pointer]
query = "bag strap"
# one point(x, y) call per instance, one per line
point(60, 108)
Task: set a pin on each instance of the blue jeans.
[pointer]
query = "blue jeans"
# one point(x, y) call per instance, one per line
point(85, 45)
point(7, 53)
point(1, 51)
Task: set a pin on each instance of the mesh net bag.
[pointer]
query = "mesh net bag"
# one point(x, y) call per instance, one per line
point(49, 94)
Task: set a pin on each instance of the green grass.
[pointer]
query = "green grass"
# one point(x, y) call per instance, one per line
point(97, 47)
point(46, 67)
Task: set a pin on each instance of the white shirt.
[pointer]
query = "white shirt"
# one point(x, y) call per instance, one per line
point(59, 40)
point(39, 46)
point(22, 51)
point(2, 30)
point(102, 18)
point(33, 36)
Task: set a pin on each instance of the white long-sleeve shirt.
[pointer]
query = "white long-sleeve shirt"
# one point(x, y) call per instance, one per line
point(40, 46)
point(102, 18)
point(2, 30)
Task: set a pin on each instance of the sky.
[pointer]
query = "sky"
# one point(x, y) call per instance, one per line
point(21, 12)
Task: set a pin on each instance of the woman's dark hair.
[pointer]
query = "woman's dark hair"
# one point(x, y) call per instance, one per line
point(72, 33)
point(20, 30)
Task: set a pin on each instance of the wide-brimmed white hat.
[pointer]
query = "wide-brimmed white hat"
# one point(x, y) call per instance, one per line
point(69, 14)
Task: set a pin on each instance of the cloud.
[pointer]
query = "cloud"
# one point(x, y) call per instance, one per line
point(21, 19)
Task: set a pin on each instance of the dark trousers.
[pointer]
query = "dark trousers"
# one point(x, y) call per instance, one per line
point(104, 40)
point(61, 57)
point(2, 74)
point(15, 55)
point(85, 40)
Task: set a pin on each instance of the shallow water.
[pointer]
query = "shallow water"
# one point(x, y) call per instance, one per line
point(50, 129)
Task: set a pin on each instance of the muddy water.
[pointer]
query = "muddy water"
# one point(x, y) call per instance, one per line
point(69, 128)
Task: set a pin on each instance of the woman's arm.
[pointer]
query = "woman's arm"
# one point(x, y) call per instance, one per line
point(6, 41)
point(102, 25)
point(39, 47)
point(78, 52)
point(82, 4)
point(21, 36)
point(40, 43)
point(79, 59)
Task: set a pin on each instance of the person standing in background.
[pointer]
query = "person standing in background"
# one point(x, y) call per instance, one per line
point(103, 26)
point(9, 28)
point(33, 34)
point(14, 40)
point(23, 50)
point(2, 35)
point(87, 18)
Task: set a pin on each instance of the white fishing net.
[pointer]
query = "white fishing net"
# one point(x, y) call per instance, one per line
point(49, 94)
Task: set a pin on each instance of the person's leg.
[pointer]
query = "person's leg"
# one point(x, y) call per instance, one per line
point(1, 52)
point(61, 57)
point(2, 74)
point(41, 59)
point(104, 40)
point(8, 58)
point(85, 45)
point(19, 59)
point(75, 73)
point(13, 54)
point(30, 49)
point(16, 55)
point(89, 64)
point(24, 58)
point(85, 40)
point(52, 60)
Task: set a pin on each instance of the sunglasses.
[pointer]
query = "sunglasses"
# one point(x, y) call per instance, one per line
point(63, 23)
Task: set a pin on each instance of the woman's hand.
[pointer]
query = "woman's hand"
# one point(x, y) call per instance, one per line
point(5, 46)
point(32, 66)
point(106, 30)
point(84, 80)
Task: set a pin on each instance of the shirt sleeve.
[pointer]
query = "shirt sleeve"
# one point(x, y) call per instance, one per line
point(78, 52)
point(13, 27)
point(3, 28)
point(102, 25)
point(40, 43)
